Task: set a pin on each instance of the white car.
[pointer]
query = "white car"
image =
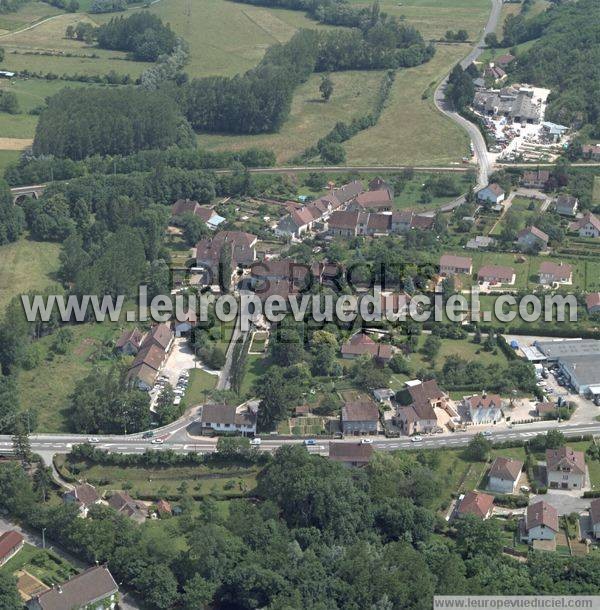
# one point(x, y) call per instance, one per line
point(416, 439)
point(93, 439)
point(255, 442)
point(487, 433)
point(157, 441)
point(177, 400)
point(366, 441)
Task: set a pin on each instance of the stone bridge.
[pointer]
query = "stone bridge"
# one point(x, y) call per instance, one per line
point(20, 193)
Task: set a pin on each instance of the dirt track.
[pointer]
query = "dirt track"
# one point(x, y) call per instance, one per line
point(15, 143)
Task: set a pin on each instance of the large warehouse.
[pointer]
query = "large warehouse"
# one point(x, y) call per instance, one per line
point(578, 359)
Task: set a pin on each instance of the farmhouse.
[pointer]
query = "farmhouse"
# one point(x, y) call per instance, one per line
point(361, 344)
point(348, 192)
point(93, 588)
point(360, 417)
point(495, 72)
point(588, 226)
point(493, 193)
point(532, 238)
point(228, 418)
point(485, 409)
point(504, 475)
point(351, 454)
point(417, 403)
point(555, 273)
point(343, 224)
point(380, 200)
point(454, 265)
point(405, 220)
point(565, 468)
point(298, 221)
point(540, 522)
point(476, 503)
point(496, 275)
point(566, 205)
point(536, 179)
point(11, 543)
point(592, 302)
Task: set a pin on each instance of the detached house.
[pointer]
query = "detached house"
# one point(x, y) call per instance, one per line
point(123, 503)
point(298, 221)
point(351, 454)
point(565, 468)
point(95, 588)
point(592, 302)
point(555, 273)
point(566, 205)
point(476, 503)
point(540, 522)
point(228, 418)
point(455, 265)
point(504, 475)
point(380, 200)
point(532, 238)
point(492, 193)
point(591, 151)
point(361, 344)
point(417, 403)
point(129, 342)
point(496, 275)
point(536, 179)
point(359, 417)
point(588, 226)
point(188, 206)
point(84, 496)
point(240, 246)
point(595, 517)
point(485, 409)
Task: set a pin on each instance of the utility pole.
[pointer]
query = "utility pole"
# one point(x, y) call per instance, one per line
point(43, 537)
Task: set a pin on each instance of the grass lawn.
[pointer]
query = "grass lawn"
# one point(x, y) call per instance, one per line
point(410, 195)
point(223, 482)
point(47, 387)
point(201, 383)
point(7, 157)
point(256, 367)
point(43, 564)
point(411, 130)
point(26, 15)
point(26, 265)
point(596, 191)
point(310, 119)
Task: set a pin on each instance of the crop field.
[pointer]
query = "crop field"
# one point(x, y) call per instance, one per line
point(310, 119)
point(411, 130)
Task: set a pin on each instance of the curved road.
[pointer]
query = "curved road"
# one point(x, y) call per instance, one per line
point(442, 105)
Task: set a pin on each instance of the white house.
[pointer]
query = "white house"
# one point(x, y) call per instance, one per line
point(541, 522)
point(492, 193)
point(588, 226)
point(504, 475)
point(485, 409)
point(595, 517)
point(228, 418)
point(565, 468)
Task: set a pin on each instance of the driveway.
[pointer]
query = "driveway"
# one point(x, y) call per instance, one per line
point(565, 502)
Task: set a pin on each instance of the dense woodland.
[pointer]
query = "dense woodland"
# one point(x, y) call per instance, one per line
point(326, 538)
point(78, 123)
point(565, 58)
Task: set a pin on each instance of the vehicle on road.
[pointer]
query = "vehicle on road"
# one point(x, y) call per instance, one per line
point(310, 442)
point(93, 439)
point(255, 442)
point(148, 434)
point(366, 441)
point(157, 441)
point(487, 433)
point(416, 439)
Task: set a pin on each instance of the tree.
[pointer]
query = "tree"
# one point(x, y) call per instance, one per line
point(198, 593)
point(165, 409)
point(21, 445)
point(491, 40)
point(555, 439)
point(9, 102)
point(476, 537)
point(194, 228)
point(331, 152)
point(431, 347)
point(478, 448)
point(326, 87)
point(9, 594)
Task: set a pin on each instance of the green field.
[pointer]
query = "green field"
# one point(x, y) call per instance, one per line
point(411, 131)
point(310, 118)
point(7, 157)
point(29, 13)
point(201, 383)
point(596, 191)
point(26, 265)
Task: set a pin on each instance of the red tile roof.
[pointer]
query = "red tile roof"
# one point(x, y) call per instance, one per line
point(557, 270)
point(565, 457)
point(503, 274)
point(458, 262)
point(350, 452)
point(506, 468)
point(360, 411)
point(592, 300)
point(542, 513)
point(476, 503)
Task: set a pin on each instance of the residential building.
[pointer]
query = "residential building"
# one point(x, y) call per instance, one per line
point(205, 213)
point(592, 302)
point(348, 192)
point(378, 224)
point(123, 503)
point(540, 522)
point(129, 342)
point(361, 344)
point(496, 275)
point(484, 409)
point(595, 517)
point(417, 402)
point(546, 408)
point(555, 273)
point(532, 238)
point(228, 418)
point(566, 205)
point(504, 60)
point(493, 193)
point(476, 503)
point(591, 151)
point(537, 179)
point(94, 588)
point(343, 224)
point(565, 468)
point(359, 417)
point(241, 247)
point(378, 183)
point(380, 200)
point(481, 242)
point(160, 335)
point(351, 454)
point(455, 265)
point(11, 542)
point(185, 325)
point(588, 226)
point(298, 221)
point(163, 508)
point(84, 496)
point(504, 475)
point(405, 220)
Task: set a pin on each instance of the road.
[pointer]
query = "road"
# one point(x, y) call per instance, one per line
point(479, 147)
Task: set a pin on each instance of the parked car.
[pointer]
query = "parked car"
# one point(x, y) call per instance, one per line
point(416, 439)
point(177, 400)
